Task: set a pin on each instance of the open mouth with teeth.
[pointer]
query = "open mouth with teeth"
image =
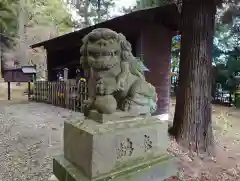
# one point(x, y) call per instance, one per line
point(103, 59)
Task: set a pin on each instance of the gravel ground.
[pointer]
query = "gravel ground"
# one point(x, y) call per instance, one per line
point(30, 134)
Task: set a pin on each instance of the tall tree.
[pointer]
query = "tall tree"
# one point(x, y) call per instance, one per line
point(192, 125)
point(7, 13)
point(22, 46)
point(93, 11)
point(49, 13)
point(83, 10)
point(43, 19)
point(102, 7)
point(130, 9)
point(141, 4)
point(86, 7)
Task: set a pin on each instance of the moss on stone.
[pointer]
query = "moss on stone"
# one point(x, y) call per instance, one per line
point(126, 171)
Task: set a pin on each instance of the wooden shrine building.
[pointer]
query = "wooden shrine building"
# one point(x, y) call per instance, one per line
point(150, 32)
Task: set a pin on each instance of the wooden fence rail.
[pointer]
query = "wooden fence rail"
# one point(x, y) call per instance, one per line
point(67, 94)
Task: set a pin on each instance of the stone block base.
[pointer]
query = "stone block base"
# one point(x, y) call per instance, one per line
point(97, 148)
point(157, 169)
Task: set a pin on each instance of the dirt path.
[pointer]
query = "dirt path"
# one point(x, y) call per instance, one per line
point(30, 134)
point(226, 165)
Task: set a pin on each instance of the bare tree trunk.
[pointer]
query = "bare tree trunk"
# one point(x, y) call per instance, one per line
point(192, 125)
point(98, 11)
point(86, 6)
point(21, 31)
point(1, 52)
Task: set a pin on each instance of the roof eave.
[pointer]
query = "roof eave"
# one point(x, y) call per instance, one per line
point(173, 26)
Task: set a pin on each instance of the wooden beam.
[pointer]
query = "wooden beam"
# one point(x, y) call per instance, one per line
point(29, 90)
point(9, 90)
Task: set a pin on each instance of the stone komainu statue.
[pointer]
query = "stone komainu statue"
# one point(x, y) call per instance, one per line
point(119, 81)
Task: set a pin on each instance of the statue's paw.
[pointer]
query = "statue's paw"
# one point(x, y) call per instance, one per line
point(108, 91)
point(120, 85)
point(104, 89)
point(105, 104)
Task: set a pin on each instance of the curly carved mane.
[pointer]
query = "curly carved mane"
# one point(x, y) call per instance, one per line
point(110, 35)
point(113, 71)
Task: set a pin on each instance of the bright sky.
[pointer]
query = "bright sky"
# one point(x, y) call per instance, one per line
point(116, 11)
point(126, 3)
point(120, 4)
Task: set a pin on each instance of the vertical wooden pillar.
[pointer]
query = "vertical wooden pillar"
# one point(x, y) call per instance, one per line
point(155, 45)
point(51, 63)
point(9, 90)
point(29, 90)
point(237, 97)
point(65, 74)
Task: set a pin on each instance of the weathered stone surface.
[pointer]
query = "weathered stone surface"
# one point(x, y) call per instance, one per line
point(158, 168)
point(101, 101)
point(118, 139)
point(98, 149)
point(118, 76)
point(104, 118)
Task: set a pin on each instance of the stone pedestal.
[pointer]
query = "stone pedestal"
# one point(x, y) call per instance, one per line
point(126, 149)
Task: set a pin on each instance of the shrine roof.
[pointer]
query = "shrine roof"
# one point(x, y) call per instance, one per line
point(129, 25)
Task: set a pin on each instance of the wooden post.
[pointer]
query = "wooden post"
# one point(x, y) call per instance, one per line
point(65, 74)
point(237, 97)
point(9, 91)
point(80, 94)
point(29, 90)
point(67, 94)
point(37, 90)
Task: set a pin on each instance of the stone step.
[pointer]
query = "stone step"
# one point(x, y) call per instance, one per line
point(158, 169)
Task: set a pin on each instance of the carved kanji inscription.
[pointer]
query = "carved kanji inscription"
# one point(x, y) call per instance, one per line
point(125, 148)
